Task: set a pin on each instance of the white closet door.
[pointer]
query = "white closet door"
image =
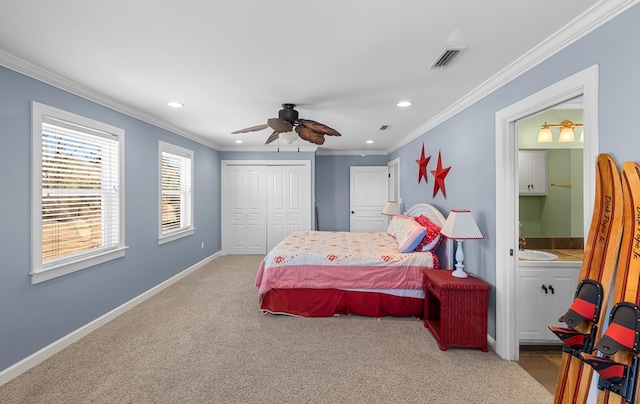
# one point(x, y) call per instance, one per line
point(246, 197)
point(256, 241)
point(288, 202)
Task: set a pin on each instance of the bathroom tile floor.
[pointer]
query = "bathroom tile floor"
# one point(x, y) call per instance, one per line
point(542, 363)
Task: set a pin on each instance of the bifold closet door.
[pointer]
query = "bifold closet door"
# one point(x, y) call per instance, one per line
point(246, 195)
point(288, 202)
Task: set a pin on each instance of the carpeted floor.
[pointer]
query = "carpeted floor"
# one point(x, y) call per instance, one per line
point(203, 340)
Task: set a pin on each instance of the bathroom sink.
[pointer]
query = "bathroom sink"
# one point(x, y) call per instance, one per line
point(535, 255)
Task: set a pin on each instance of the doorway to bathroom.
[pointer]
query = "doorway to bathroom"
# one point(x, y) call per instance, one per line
point(584, 83)
point(550, 218)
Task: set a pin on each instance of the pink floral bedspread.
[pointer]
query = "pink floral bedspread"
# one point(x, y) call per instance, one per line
point(341, 260)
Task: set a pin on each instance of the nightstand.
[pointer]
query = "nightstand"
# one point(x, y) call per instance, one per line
point(455, 309)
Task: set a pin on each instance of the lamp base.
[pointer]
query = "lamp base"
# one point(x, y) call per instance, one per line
point(459, 273)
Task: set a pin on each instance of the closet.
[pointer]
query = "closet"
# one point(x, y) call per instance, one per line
point(262, 203)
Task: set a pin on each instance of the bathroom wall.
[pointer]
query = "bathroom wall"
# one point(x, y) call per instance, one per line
point(560, 213)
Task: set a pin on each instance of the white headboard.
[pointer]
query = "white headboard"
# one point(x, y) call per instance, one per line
point(445, 250)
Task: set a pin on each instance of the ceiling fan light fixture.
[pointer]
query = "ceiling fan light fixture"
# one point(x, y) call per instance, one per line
point(288, 137)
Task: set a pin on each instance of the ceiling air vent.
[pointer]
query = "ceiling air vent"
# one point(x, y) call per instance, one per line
point(384, 127)
point(445, 58)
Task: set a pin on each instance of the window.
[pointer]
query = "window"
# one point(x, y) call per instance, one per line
point(78, 197)
point(176, 193)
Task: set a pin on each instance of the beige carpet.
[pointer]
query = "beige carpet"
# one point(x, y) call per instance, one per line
point(203, 340)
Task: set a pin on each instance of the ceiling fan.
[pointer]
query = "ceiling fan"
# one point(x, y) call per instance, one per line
point(285, 123)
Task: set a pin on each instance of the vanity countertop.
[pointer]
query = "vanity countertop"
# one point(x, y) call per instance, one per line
point(566, 254)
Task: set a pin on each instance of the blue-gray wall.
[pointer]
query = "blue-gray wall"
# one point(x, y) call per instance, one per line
point(467, 140)
point(33, 316)
point(332, 188)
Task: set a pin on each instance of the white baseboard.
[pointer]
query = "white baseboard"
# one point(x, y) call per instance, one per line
point(491, 342)
point(27, 363)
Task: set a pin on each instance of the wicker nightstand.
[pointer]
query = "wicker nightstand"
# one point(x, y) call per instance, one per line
point(455, 309)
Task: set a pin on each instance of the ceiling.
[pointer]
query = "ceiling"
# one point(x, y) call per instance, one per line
point(232, 63)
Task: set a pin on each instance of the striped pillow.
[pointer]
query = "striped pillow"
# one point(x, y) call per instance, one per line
point(407, 232)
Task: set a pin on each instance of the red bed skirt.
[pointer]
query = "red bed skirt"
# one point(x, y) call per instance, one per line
point(327, 302)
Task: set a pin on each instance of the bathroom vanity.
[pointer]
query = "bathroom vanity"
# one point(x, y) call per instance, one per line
point(545, 290)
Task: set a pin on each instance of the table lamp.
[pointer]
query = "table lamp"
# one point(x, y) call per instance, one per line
point(390, 208)
point(460, 226)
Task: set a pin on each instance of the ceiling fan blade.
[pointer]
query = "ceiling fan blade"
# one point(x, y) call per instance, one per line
point(280, 125)
point(318, 127)
point(310, 135)
point(251, 129)
point(273, 137)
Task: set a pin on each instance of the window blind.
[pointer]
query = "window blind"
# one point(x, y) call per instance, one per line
point(176, 192)
point(80, 198)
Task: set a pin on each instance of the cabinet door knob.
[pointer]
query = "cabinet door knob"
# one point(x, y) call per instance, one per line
point(551, 289)
point(545, 289)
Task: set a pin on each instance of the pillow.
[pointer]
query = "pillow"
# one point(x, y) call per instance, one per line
point(407, 232)
point(432, 237)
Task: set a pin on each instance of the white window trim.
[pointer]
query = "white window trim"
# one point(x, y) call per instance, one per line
point(180, 151)
point(38, 272)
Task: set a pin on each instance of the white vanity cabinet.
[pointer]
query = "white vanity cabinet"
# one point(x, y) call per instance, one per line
point(532, 167)
point(545, 292)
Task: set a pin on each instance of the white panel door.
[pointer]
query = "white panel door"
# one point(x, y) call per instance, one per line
point(288, 202)
point(369, 190)
point(256, 241)
point(246, 209)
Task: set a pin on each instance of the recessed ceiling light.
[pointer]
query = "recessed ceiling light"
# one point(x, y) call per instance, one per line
point(369, 142)
point(238, 141)
point(174, 104)
point(404, 104)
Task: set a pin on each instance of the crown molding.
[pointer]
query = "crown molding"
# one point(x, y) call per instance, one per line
point(28, 69)
point(594, 17)
point(362, 153)
point(272, 149)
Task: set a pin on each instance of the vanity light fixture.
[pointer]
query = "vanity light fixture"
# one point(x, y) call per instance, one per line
point(566, 132)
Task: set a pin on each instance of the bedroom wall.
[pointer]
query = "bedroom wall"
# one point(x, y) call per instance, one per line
point(467, 140)
point(33, 316)
point(332, 187)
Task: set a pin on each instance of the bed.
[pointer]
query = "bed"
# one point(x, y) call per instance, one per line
point(323, 273)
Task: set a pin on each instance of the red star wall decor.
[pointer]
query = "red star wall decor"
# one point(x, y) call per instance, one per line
point(422, 166)
point(439, 174)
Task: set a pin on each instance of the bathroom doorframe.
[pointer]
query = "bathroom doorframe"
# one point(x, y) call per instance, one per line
point(584, 83)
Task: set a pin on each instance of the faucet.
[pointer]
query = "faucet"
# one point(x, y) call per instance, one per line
point(522, 243)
